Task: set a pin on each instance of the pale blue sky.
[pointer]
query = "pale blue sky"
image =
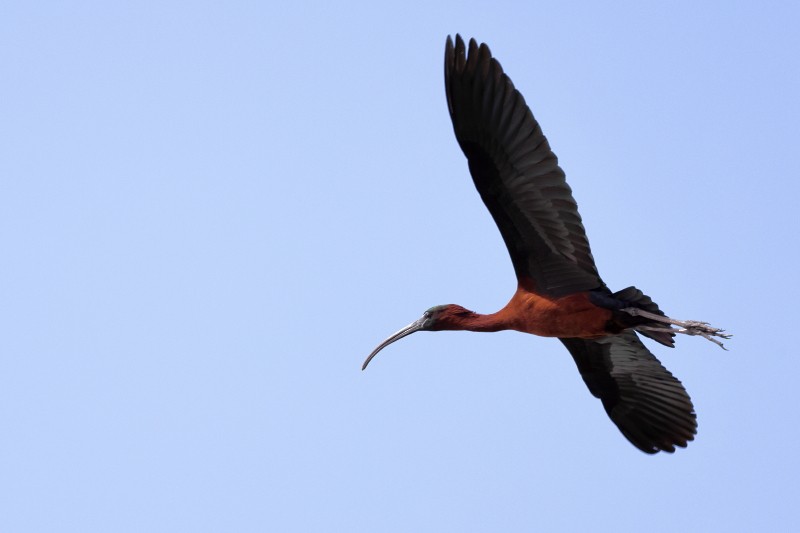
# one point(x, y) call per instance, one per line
point(211, 212)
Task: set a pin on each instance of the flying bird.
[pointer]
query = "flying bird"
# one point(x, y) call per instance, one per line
point(559, 291)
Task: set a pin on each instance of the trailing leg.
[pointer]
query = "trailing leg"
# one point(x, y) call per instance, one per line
point(687, 327)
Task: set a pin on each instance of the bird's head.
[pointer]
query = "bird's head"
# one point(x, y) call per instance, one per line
point(437, 318)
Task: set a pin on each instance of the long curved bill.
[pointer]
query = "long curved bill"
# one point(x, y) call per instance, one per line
point(408, 330)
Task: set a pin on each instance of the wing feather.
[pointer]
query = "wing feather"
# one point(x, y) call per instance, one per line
point(646, 402)
point(517, 174)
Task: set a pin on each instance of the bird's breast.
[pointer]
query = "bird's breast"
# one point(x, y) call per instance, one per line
point(573, 315)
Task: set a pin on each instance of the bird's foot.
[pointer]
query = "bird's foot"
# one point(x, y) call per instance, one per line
point(687, 327)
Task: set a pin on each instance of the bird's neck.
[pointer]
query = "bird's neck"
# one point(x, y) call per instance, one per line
point(469, 321)
point(491, 322)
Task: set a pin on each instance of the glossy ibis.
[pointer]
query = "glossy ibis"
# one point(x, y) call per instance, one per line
point(559, 292)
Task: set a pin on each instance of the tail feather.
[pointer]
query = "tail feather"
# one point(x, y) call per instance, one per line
point(633, 297)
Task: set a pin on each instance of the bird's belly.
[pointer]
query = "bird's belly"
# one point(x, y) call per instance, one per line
point(570, 316)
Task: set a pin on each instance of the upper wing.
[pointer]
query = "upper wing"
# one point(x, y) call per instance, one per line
point(646, 402)
point(516, 174)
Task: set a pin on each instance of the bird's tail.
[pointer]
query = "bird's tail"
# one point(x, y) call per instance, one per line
point(633, 297)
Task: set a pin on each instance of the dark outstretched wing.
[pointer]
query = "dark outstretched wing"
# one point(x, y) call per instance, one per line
point(516, 174)
point(646, 402)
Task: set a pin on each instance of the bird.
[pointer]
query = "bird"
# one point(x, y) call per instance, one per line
point(559, 291)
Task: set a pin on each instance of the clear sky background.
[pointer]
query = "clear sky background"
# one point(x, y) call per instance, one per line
point(211, 212)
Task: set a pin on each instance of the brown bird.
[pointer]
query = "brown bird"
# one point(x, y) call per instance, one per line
point(559, 292)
